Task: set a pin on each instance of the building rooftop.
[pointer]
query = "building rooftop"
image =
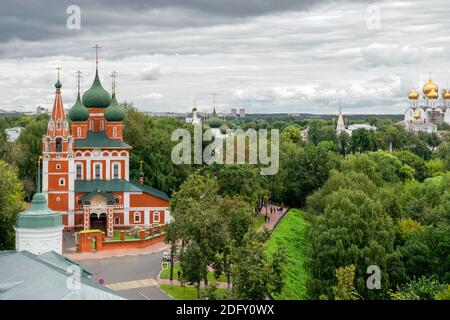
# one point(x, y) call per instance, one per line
point(100, 140)
point(25, 276)
point(117, 185)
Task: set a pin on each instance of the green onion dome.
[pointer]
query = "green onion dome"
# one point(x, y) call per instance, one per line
point(96, 96)
point(78, 112)
point(114, 112)
point(38, 215)
point(224, 127)
point(58, 85)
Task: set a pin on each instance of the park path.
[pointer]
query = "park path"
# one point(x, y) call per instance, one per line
point(273, 217)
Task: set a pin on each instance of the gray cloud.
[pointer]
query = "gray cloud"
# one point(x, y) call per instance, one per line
point(267, 56)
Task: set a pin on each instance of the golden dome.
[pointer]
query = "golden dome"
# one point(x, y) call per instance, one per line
point(413, 95)
point(446, 94)
point(430, 85)
point(416, 114)
point(433, 94)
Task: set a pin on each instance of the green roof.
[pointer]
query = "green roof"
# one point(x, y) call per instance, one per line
point(117, 185)
point(96, 96)
point(38, 215)
point(78, 112)
point(100, 140)
point(114, 112)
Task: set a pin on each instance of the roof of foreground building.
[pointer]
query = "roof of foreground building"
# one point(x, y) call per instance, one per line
point(25, 276)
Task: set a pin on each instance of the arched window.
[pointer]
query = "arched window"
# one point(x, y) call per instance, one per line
point(62, 182)
point(58, 166)
point(114, 132)
point(156, 217)
point(58, 125)
point(58, 145)
point(79, 170)
point(116, 170)
point(91, 125)
point(102, 125)
point(97, 171)
point(79, 132)
point(47, 144)
point(137, 217)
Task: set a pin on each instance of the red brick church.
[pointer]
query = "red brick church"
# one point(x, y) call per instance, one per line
point(86, 167)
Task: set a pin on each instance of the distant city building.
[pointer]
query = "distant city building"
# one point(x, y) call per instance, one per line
point(42, 110)
point(234, 112)
point(340, 127)
point(242, 113)
point(13, 133)
point(426, 114)
point(181, 115)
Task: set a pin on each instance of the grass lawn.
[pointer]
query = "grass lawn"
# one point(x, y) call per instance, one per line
point(188, 292)
point(165, 274)
point(289, 234)
point(259, 221)
point(116, 236)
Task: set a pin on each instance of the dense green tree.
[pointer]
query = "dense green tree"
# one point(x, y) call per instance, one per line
point(194, 265)
point(151, 142)
point(418, 164)
point(255, 273)
point(344, 142)
point(305, 169)
point(427, 202)
point(319, 131)
point(364, 164)
point(345, 288)
point(427, 253)
point(353, 229)
point(444, 154)
point(363, 140)
point(11, 203)
point(349, 180)
point(238, 180)
point(391, 168)
point(292, 133)
point(394, 137)
point(28, 149)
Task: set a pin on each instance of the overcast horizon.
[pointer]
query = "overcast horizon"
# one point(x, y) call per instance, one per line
point(265, 56)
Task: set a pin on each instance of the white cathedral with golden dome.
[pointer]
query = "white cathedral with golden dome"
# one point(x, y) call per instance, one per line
point(426, 113)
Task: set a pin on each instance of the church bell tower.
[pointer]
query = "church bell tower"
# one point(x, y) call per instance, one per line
point(58, 161)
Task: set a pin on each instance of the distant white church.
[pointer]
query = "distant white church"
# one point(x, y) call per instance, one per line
point(427, 113)
point(340, 127)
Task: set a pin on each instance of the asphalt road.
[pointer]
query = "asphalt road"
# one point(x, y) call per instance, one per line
point(128, 273)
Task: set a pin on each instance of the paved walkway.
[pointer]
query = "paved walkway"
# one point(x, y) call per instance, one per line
point(273, 217)
point(222, 285)
point(157, 247)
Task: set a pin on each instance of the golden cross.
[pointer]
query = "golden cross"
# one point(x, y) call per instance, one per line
point(78, 80)
point(96, 47)
point(58, 69)
point(113, 76)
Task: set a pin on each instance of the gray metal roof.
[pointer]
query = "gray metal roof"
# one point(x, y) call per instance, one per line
point(25, 276)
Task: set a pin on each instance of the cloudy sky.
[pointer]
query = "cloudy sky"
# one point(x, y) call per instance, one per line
point(264, 55)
